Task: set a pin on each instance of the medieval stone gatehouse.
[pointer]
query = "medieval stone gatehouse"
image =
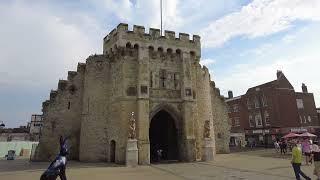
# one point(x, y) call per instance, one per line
point(159, 78)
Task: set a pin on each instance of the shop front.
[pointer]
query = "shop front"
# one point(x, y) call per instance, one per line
point(262, 137)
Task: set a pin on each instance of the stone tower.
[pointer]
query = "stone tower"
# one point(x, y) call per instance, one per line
point(157, 77)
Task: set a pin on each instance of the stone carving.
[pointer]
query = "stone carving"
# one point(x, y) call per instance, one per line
point(132, 127)
point(206, 131)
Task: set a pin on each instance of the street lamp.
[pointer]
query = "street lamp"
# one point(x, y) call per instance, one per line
point(2, 125)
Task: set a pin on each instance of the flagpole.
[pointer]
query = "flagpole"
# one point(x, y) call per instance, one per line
point(161, 15)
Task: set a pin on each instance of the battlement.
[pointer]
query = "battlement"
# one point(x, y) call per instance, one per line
point(53, 95)
point(81, 67)
point(62, 85)
point(122, 35)
point(71, 75)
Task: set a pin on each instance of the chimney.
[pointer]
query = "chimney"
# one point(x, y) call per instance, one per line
point(230, 94)
point(304, 88)
point(279, 73)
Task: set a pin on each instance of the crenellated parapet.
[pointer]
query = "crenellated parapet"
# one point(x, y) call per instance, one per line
point(121, 35)
point(45, 106)
point(81, 68)
point(72, 75)
point(62, 85)
point(53, 95)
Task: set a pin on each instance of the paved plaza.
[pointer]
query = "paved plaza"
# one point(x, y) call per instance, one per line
point(253, 165)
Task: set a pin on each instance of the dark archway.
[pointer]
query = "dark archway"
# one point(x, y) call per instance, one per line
point(113, 151)
point(163, 135)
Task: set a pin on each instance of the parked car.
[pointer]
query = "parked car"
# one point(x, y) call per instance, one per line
point(11, 155)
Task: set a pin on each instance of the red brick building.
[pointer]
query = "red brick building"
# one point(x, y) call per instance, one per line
point(270, 110)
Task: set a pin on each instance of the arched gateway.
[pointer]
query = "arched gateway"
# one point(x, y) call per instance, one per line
point(163, 136)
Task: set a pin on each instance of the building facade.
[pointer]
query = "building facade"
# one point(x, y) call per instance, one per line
point(268, 111)
point(159, 78)
point(15, 134)
point(35, 126)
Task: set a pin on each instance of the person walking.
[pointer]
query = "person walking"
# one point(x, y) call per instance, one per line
point(306, 149)
point(296, 162)
point(316, 158)
point(277, 146)
point(283, 147)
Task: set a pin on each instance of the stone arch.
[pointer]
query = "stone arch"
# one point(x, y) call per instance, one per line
point(165, 134)
point(169, 51)
point(151, 48)
point(178, 51)
point(160, 49)
point(170, 110)
point(128, 45)
point(136, 46)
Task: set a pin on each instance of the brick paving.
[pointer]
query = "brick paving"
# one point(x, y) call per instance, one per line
point(251, 165)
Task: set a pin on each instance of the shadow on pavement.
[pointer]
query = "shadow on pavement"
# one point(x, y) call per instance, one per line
point(26, 165)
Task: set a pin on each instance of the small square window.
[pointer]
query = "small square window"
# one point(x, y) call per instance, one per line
point(144, 89)
point(188, 92)
point(131, 91)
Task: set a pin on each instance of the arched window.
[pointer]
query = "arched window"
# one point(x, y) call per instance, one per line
point(160, 49)
point(128, 45)
point(151, 48)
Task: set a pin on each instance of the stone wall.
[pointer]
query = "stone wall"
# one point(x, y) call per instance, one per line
point(220, 120)
point(62, 116)
point(204, 107)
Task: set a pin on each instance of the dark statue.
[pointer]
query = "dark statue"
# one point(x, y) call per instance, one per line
point(132, 127)
point(58, 165)
point(206, 131)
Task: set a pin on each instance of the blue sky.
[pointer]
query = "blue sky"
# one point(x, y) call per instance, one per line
point(244, 42)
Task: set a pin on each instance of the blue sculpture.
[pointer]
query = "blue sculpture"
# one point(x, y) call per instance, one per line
point(58, 165)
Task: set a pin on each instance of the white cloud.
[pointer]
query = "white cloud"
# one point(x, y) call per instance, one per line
point(260, 18)
point(206, 62)
point(39, 47)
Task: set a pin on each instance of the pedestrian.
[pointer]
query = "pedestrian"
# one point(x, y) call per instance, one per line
point(159, 154)
point(283, 147)
point(277, 146)
point(296, 162)
point(316, 158)
point(306, 149)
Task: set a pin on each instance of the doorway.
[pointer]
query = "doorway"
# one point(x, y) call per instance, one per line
point(163, 138)
point(113, 151)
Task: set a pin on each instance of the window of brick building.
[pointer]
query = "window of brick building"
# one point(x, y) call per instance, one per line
point(256, 103)
point(309, 119)
point(264, 101)
point(299, 103)
point(267, 118)
point(305, 119)
point(300, 119)
point(251, 121)
point(236, 121)
point(249, 104)
point(235, 108)
point(258, 120)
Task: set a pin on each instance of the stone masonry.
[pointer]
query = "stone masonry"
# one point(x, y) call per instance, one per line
point(139, 72)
